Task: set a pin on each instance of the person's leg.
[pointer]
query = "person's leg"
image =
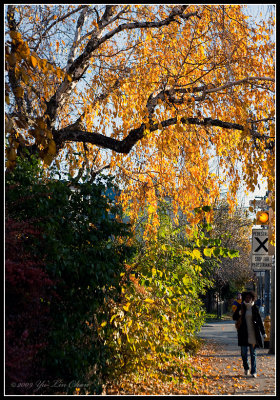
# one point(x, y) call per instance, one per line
point(244, 355)
point(253, 354)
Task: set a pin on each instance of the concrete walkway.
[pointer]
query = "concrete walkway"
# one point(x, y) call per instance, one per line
point(226, 375)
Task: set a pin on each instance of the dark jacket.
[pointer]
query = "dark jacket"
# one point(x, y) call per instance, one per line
point(242, 332)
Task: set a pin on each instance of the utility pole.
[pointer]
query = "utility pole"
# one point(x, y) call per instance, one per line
point(263, 257)
point(266, 292)
point(271, 251)
point(272, 324)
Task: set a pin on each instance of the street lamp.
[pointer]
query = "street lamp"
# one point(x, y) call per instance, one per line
point(262, 218)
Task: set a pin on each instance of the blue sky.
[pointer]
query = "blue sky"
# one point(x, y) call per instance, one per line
point(254, 10)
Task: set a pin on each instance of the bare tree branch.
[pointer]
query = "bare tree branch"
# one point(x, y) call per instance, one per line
point(125, 145)
point(63, 17)
point(81, 63)
point(14, 83)
point(169, 93)
point(77, 36)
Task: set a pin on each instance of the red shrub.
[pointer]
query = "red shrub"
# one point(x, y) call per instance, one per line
point(28, 293)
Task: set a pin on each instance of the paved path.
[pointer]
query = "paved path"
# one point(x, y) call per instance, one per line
point(226, 374)
point(218, 370)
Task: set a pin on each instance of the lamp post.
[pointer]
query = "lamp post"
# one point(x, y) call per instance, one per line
point(265, 218)
point(271, 251)
point(272, 326)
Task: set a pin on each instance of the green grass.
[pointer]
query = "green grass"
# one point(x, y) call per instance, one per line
point(213, 317)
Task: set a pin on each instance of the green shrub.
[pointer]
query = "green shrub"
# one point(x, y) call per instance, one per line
point(154, 327)
point(83, 247)
point(193, 345)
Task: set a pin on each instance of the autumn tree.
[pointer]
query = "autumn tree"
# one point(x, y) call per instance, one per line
point(234, 229)
point(150, 92)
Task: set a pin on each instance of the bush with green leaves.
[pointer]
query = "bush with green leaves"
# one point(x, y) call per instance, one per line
point(155, 326)
point(84, 246)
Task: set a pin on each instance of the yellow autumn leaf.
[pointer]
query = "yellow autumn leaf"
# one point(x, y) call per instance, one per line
point(126, 307)
point(24, 51)
point(33, 61)
point(113, 317)
point(43, 64)
point(24, 77)
point(196, 253)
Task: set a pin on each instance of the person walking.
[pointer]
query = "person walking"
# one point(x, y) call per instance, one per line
point(250, 331)
point(236, 302)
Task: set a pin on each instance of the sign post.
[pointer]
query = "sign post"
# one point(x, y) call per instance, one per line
point(263, 255)
point(261, 261)
point(272, 327)
point(259, 242)
point(261, 203)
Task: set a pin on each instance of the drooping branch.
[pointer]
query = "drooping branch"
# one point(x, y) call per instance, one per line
point(119, 146)
point(177, 11)
point(124, 146)
point(171, 92)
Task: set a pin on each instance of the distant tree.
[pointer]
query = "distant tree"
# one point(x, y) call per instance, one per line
point(234, 228)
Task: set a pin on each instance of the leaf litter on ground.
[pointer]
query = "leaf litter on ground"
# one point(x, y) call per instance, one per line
point(213, 375)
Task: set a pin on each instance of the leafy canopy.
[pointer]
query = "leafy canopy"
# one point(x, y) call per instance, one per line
point(155, 93)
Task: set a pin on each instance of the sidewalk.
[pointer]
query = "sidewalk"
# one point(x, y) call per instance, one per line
point(220, 355)
point(219, 370)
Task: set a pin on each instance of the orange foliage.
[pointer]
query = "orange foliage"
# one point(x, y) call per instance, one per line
point(161, 94)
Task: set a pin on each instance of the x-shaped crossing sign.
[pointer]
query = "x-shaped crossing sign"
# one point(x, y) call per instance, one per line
point(262, 245)
point(259, 241)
